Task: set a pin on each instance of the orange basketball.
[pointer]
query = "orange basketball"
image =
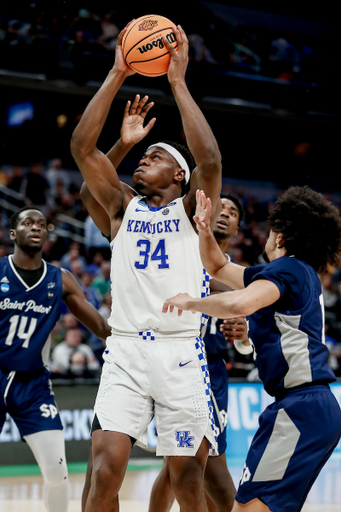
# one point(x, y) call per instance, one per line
point(143, 48)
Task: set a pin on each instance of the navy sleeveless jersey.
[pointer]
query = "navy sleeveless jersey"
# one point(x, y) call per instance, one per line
point(27, 316)
point(215, 341)
point(288, 336)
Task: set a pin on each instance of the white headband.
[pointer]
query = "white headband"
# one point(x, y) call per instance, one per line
point(178, 157)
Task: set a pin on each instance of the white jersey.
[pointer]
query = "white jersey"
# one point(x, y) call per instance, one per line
point(155, 255)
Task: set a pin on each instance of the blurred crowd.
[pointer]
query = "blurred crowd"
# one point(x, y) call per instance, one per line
point(75, 243)
point(76, 40)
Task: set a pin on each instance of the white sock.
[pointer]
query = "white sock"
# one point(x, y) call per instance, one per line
point(48, 447)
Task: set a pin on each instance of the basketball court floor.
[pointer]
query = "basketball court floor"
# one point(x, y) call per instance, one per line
point(24, 493)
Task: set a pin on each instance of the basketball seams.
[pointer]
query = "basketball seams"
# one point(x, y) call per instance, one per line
point(137, 22)
point(141, 42)
point(138, 44)
point(150, 60)
point(133, 26)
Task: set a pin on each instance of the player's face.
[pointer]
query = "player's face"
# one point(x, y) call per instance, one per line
point(226, 225)
point(156, 171)
point(31, 231)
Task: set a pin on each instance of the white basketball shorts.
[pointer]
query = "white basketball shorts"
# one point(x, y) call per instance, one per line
point(163, 376)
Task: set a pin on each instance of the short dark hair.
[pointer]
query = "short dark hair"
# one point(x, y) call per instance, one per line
point(13, 221)
point(185, 152)
point(238, 204)
point(310, 225)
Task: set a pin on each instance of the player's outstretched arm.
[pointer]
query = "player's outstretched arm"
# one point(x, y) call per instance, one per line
point(199, 136)
point(240, 303)
point(76, 302)
point(212, 258)
point(96, 168)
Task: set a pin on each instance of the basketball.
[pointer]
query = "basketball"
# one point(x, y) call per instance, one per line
point(143, 48)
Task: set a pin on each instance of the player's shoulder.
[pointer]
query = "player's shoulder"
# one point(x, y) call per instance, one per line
point(3, 261)
point(53, 268)
point(290, 264)
point(5, 265)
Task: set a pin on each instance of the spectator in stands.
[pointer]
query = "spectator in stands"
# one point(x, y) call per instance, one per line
point(71, 358)
point(334, 347)
point(55, 173)
point(15, 183)
point(102, 282)
point(90, 293)
point(77, 270)
point(66, 322)
point(105, 307)
point(73, 254)
point(110, 32)
point(61, 201)
point(94, 240)
point(331, 299)
point(199, 52)
point(35, 187)
point(94, 267)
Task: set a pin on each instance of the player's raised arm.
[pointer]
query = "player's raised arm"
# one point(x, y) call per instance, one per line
point(80, 307)
point(97, 169)
point(199, 136)
point(131, 133)
point(212, 257)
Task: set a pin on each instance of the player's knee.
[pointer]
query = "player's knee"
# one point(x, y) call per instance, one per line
point(55, 474)
point(106, 478)
point(187, 485)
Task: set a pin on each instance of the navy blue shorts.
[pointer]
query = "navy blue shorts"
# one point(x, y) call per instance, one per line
point(219, 387)
point(296, 436)
point(28, 398)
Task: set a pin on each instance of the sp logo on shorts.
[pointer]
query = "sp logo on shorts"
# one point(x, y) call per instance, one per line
point(246, 475)
point(48, 410)
point(184, 439)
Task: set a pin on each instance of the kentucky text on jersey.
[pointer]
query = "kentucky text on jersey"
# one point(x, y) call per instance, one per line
point(30, 305)
point(166, 226)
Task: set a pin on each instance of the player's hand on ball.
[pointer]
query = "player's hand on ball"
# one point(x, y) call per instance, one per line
point(180, 301)
point(120, 63)
point(179, 58)
point(133, 130)
point(202, 215)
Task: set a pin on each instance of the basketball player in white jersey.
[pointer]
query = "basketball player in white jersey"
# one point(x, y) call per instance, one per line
point(154, 364)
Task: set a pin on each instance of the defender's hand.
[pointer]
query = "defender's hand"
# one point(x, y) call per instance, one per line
point(202, 215)
point(133, 130)
point(180, 301)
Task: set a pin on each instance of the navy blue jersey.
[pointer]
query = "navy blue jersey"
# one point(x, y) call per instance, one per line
point(215, 341)
point(288, 336)
point(28, 315)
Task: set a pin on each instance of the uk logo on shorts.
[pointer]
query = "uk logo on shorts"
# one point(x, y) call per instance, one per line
point(184, 438)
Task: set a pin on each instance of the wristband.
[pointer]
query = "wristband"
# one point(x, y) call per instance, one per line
point(241, 348)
